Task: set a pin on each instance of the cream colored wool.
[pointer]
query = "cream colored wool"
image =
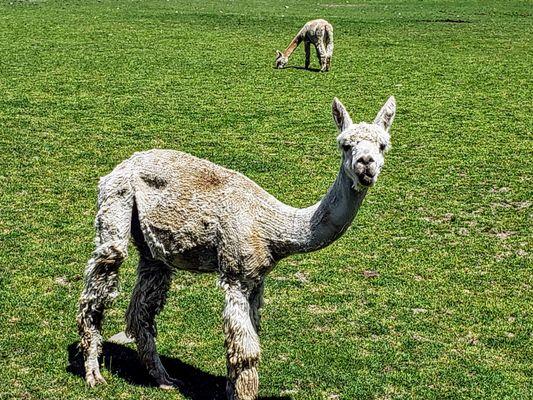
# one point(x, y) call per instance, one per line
point(317, 32)
point(187, 213)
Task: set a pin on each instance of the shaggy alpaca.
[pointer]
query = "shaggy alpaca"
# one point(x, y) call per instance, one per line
point(319, 32)
point(187, 213)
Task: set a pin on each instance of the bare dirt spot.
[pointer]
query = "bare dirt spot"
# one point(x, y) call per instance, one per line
point(463, 231)
point(344, 5)
point(446, 21)
point(521, 253)
point(440, 219)
point(61, 281)
point(503, 235)
point(302, 277)
point(500, 190)
point(516, 205)
point(319, 310)
point(472, 339)
point(370, 274)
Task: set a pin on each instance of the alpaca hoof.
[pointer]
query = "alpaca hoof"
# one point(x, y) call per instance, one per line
point(121, 338)
point(167, 387)
point(169, 384)
point(94, 378)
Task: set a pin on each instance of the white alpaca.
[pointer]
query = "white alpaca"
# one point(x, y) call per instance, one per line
point(187, 213)
point(318, 32)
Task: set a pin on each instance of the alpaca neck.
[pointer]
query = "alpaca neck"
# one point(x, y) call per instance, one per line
point(292, 46)
point(315, 227)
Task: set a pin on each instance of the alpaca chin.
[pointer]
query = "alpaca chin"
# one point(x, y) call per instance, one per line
point(359, 188)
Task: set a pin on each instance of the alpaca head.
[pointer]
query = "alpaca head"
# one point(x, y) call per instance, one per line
point(363, 145)
point(281, 60)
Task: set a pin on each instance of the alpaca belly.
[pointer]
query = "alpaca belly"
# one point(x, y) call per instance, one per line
point(310, 37)
point(198, 259)
point(186, 248)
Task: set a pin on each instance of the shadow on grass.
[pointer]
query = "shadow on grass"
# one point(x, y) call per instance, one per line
point(123, 362)
point(302, 68)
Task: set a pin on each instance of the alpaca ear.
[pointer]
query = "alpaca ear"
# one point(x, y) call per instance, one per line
point(278, 53)
point(386, 114)
point(340, 115)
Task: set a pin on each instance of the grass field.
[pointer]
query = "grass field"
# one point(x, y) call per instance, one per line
point(85, 84)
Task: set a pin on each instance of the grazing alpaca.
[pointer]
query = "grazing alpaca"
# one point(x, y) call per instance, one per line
point(319, 32)
point(187, 213)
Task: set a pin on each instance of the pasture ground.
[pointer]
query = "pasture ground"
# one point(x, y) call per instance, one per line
point(447, 229)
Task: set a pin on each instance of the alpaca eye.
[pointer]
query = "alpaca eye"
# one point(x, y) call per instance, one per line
point(346, 147)
point(382, 147)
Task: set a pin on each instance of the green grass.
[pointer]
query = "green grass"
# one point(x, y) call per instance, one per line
point(448, 226)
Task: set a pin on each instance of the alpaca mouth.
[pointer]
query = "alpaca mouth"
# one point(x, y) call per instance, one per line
point(365, 180)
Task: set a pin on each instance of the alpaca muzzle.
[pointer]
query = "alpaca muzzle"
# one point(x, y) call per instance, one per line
point(365, 179)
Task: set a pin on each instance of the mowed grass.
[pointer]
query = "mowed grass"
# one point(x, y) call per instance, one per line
point(83, 85)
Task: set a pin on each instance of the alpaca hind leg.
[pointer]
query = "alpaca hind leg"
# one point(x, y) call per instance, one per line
point(242, 344)
point(148, 299)
point(101, 279)
point(307, 54)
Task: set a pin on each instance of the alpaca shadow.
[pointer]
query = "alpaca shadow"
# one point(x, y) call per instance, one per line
point(123, 362)
point(302, 68)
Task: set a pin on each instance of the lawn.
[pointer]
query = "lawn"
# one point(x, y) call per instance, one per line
point(446, 312)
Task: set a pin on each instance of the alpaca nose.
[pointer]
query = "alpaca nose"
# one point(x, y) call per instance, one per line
point(365, 159)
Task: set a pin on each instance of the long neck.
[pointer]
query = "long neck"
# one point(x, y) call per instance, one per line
point(292, 45)
point(315, 227)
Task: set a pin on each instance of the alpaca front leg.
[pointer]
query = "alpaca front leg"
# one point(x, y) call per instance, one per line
point(242, 344)
point(307, 54)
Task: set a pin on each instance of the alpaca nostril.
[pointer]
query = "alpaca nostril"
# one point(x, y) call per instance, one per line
point(366, 159)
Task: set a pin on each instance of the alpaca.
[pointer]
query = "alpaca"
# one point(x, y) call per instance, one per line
point(187, 213)
point(319, 32)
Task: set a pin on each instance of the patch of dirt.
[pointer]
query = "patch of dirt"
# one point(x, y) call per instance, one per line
point(62, 281)
point(370, 274)
point(302, 277)
point(499, 190)
point(503, 235)
point(472, 339)
point(317, 310)
point(344, 5)
point(516, 205)
point(448, 217)
point(446, 21)
point(521, 253)
point(463, 232)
